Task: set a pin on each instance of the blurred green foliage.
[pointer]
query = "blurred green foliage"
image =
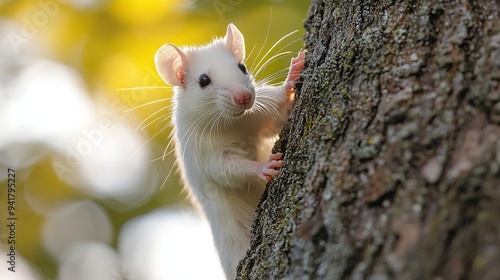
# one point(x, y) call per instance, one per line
point(112, 44)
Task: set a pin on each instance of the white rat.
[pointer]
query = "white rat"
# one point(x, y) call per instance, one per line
point(224, 129)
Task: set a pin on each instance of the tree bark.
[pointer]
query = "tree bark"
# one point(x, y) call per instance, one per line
point(392, 150)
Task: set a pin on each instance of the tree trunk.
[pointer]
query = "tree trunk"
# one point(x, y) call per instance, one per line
point(393, 148)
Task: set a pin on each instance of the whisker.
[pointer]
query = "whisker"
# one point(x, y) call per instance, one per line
point(162, 157)
point(168, 176)
point(251, 52)
point(144, 144)
point(274, 58)
point(270, 60)
point(146, 104)
point(267, 37)
point(278, 75)
point(168, 144)
point(290, 43)
point(137, 88)
point(172, 138)
point(279, 79)
point(275, 44)
point(157, 111)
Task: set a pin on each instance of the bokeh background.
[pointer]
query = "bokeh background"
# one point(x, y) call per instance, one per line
point(84, 123)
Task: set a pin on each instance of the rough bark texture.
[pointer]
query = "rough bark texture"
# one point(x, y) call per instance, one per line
point(393, 149)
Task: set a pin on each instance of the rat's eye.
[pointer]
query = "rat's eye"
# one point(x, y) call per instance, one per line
point(204, 80)
point(243, 68)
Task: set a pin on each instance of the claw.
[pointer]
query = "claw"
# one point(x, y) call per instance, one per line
point(267, 169)
point(296, 65)
point(275, 156)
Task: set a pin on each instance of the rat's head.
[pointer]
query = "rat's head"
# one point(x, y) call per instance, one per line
point(212, 77)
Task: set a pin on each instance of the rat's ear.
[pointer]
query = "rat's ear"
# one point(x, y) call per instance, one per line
point(171, 63)
point(235, 42)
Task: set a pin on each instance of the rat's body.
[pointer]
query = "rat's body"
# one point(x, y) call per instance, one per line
point(224, 129)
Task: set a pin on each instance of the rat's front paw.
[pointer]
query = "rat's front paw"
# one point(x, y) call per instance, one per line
point(296, 65)
point(267, 169)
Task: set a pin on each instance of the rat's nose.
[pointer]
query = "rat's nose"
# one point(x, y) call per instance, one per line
point(242, 98)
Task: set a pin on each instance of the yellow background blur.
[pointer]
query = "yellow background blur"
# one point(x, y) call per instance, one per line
point(111, 44)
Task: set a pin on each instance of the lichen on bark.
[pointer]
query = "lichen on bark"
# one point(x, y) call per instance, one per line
point(392, 150)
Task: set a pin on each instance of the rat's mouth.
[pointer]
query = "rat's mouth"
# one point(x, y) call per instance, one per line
point(239, 114)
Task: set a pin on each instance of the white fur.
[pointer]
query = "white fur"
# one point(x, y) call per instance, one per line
point(222, 148)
